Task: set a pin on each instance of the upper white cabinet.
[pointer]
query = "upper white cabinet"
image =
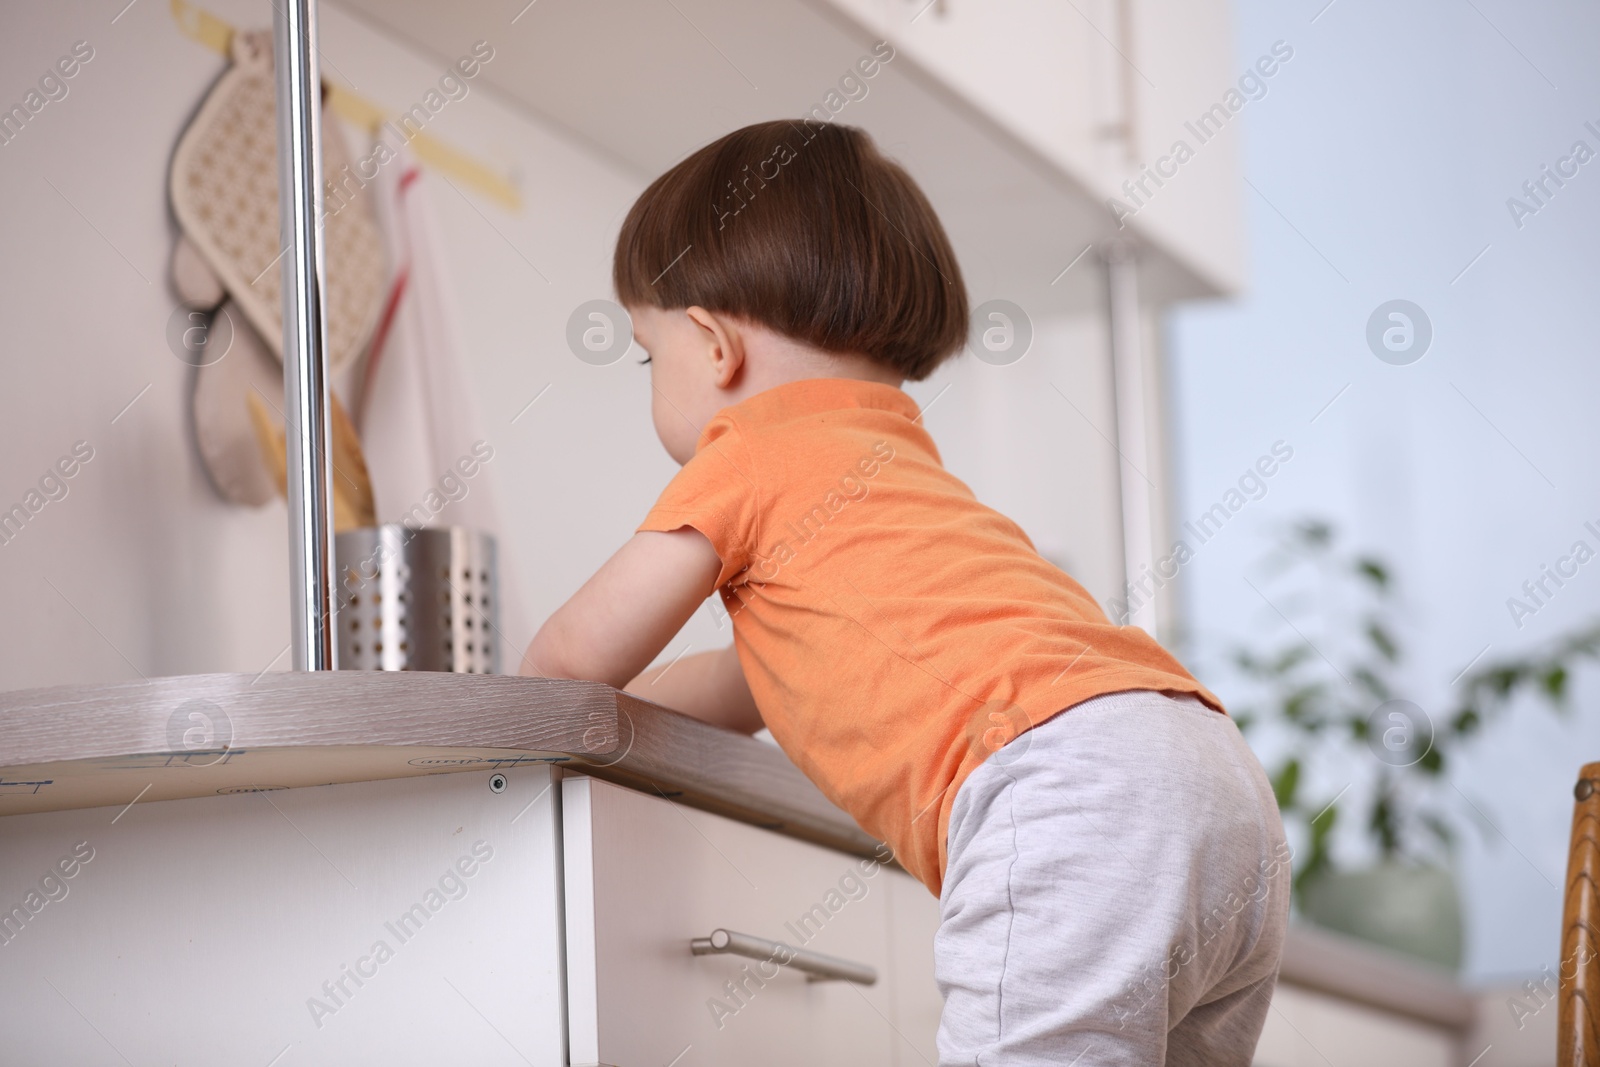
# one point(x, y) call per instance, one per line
point(1105, 90)
point(1036, 67)
point(1019, 118)
point(1190, 88)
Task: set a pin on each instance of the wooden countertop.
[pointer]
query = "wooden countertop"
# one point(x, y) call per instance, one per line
point(79, 746)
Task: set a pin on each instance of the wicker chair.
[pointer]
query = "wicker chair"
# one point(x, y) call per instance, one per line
point(1578, 1026)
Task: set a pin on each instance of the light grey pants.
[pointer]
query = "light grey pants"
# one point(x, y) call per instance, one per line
point(1116, 893)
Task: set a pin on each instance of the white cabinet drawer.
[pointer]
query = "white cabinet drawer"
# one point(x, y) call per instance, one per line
point(645, 876)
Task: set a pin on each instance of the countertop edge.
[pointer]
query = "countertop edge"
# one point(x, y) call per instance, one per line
point(74, 745)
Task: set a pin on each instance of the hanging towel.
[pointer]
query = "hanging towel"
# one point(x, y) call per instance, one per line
point(430, 461)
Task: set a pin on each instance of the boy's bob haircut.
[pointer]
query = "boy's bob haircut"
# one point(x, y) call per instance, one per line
point(805, 228)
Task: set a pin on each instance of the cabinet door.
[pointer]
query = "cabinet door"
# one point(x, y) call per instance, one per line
point(1041, 69)
point(410, 922)
point(915, 1002)
point(645, 876)
point(1103, 89)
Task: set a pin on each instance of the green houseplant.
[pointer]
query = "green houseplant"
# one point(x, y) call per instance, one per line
point(1350, 746)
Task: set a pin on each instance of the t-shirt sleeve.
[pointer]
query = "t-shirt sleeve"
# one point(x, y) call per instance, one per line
point(714, 493)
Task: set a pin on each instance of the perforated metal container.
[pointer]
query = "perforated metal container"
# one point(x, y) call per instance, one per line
point(413, 599)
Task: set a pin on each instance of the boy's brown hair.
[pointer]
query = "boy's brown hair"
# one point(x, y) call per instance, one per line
point(806, 228)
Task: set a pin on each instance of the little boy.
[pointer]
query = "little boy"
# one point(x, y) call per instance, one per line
point(1110, 865)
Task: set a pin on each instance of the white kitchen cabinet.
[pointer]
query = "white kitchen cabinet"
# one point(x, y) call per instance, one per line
point(372, 870)
point(1310, 1030)
point(914, 999)
point(1345, 1003)
point(1041, 69)
point(644, 876)
point(1102, 89)
point(330, 925)
point(257, 918)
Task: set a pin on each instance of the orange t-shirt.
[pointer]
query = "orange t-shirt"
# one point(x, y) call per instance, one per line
point(893, 630)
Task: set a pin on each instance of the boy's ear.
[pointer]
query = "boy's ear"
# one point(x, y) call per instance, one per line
point(722, 344)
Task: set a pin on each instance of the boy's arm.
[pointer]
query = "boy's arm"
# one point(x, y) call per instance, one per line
point(623, 617)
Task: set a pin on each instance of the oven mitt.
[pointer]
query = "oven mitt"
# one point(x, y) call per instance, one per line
point(227, 261)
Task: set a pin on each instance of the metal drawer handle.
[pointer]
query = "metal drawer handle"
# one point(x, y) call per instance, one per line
point(817, 967)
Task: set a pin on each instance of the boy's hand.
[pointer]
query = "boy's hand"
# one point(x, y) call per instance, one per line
point(624, 616)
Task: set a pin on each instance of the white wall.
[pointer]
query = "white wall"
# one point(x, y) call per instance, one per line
point(152, 573)
point(1383, 161)
point(141, 569)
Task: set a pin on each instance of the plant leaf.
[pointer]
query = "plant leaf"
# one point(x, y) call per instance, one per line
point(1554, 683)
point(1286, 783)
point(1314, 533)
point(1299, 706)
point(1290, 658)
point(1372, 683)
point(1383, 641)
point(1374, 571)
point(1503, 679)
point(1433, 760)
point(1384, 822)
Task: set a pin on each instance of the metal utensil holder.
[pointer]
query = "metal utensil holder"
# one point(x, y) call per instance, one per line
point(417, 599)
